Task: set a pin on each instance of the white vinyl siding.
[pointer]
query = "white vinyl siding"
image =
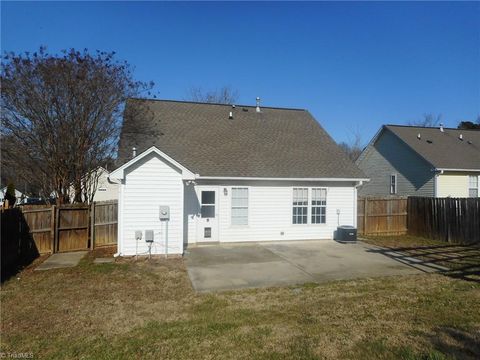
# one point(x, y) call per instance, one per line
point(239, 206)
point(319, 206)
point(270, 212)
point(149, 183)
point(300, 206)
point(473, 186)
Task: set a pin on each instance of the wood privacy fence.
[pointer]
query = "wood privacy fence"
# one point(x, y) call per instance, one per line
point(448, 219)
point(382, 216)
point(62, 228)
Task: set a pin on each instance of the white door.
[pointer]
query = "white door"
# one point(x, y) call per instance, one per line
point(207, 220)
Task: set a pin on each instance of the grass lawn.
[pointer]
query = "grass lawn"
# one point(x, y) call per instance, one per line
point(148, 310)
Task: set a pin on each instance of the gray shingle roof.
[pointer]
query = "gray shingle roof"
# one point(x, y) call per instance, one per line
point(276, 143)
point(444, 150)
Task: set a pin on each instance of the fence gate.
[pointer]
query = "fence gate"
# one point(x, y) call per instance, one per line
point(72, 228)
point(104, 223)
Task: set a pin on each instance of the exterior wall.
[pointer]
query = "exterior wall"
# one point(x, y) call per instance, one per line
point(388, 156)
point(270, 211)
point(147, 184)
point(111, 189)
point(454, 184)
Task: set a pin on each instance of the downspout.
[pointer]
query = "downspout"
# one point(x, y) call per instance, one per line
point(118, 182)
point(355, 202)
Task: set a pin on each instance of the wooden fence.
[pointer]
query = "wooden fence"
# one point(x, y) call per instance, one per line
point(382, 216)
point(448, 219)
point(62, 228)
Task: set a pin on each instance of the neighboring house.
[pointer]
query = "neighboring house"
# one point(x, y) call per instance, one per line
point(422, 161)
point(228, 174)
point(19, 195)
point(104, 188)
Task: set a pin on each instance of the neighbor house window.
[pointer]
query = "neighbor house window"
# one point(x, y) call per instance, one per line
point(393, 184)
point(473, 186)
point(300, 205)
point(319, 206)
point(239, 206)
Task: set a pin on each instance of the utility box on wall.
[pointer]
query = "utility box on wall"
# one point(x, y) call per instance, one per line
point(164, 212)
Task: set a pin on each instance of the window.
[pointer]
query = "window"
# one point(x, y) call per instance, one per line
point(319, 206)
point(208, 204)
point(300, 205)
point(239, 206)
point(473, 186)
point(393, 184)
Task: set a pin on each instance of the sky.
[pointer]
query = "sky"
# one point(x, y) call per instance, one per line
point(354, 66)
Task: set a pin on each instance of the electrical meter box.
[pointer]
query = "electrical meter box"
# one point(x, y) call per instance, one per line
point(138, 234)
point(164, 212)
point(149, 235)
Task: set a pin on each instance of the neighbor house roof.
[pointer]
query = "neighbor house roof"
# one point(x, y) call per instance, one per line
point(452, 149)
point(274, 143)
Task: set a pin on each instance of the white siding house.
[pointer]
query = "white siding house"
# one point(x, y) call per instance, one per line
point(192, 199)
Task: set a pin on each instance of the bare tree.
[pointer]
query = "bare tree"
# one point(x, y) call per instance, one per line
point(224, 95)
point(429, 120)
point(61, 114)
point(353, 148)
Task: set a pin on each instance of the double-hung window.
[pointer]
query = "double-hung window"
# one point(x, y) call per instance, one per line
point(300, 205)
point(393, 184)
point(473, 186)
point(239, 206)
point(319, 206)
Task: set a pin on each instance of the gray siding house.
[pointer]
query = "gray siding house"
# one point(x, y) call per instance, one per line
point(420, 161)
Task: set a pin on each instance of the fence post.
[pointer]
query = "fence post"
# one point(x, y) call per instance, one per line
point(52, 228)
point(365, 217)
point(92, 225)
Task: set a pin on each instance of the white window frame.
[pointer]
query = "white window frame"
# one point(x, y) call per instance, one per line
point(312, 206)
point(393, 185)
point(307, 205)
point(239, 207)
point(474, 187)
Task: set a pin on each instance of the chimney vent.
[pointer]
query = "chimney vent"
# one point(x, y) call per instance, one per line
point(258, 105)
point(134, 151)
point(460, 137)
point(441, 127)
point(419, 136)
point(230, 115)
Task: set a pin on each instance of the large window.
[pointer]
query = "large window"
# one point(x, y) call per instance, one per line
point(239, 206)
point(319, 206)
point(300, 205)
point(473, 186)
point(393, 184)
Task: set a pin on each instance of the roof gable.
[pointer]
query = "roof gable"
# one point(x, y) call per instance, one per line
point(275, 143)
point(443, 150)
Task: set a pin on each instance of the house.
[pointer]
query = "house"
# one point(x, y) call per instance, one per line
point(18, 195)
point(421, 161)
point(195, 173)
point(100, 188)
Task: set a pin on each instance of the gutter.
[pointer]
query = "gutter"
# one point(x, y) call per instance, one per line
point(278, 179)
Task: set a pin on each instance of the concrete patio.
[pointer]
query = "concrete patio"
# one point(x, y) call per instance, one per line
point(249, 265)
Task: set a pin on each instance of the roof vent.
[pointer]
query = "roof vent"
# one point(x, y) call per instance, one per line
point(233, 106)
point(419, 136)
point(460, 137)
point(134, 152)
point(441, 127)
point(230, 115)
point(429, 141)
point(258, 105)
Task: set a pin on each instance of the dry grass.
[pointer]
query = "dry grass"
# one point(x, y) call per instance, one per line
point(148, 310)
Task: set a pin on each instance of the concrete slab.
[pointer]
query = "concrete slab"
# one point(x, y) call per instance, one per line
point(104, 260)
point(233, 266)
point(62, 260)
